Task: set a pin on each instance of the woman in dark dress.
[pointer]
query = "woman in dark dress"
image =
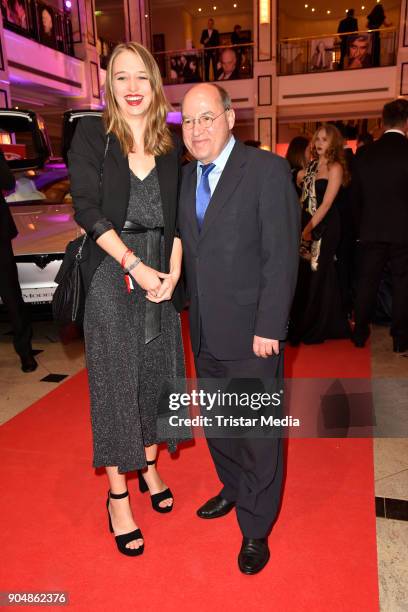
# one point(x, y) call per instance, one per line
point(317, 312)
point(124, 180)
point(375, 20)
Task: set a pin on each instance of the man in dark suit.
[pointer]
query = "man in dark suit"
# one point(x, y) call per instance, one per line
point(10, 291)
point(210, 38)
point(348, 24)
point(240, 227)
point(380, 202)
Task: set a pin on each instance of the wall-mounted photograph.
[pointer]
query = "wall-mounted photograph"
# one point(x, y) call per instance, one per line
point(321, 54)
point(46, 23)
point(359, 51)
point(15, 13)
point(185, 68)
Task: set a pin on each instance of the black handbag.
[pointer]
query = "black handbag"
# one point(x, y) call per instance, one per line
point(68, 302)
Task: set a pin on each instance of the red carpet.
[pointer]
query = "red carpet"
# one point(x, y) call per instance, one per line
point(55, 535)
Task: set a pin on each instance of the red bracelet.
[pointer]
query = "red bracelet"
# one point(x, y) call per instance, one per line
point(125, 256)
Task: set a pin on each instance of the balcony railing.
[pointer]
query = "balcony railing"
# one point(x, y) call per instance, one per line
point(349, 51)
point(41, 22)
point(226, 63)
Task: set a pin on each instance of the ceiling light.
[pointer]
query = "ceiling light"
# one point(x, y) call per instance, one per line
point(215, 8)
point(313, 10)
point(306, 5)
point(234, 5)
point(362, 8)
point(146, 16)
point(328, 12)
point(199, 10)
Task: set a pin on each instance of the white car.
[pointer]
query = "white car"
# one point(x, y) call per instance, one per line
point(40, 204)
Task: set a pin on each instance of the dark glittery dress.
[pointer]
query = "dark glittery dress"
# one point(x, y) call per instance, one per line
point(127, 376)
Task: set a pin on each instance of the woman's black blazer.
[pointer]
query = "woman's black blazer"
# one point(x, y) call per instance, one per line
point(100, 189)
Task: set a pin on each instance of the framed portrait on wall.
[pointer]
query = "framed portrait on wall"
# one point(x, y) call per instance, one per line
point(90, 23)
point(47, 25)
point(404, 79)
point(185, 68)
point(321, 54)
point(15, 14)
point(359, 51)
point(405, 42)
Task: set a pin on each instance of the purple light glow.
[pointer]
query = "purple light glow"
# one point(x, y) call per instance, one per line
point(57, 218)
point(174, 117)
point(68, 4)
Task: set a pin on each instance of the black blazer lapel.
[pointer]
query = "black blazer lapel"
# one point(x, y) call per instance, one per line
point(116, 183)
point(227, 184)
point(164, 174)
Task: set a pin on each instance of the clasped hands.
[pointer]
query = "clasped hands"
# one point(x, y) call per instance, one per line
point(159, 286)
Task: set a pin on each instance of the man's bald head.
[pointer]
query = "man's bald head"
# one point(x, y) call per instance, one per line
point(207, 100)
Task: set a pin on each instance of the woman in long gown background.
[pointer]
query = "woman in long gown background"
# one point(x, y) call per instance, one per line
point(317, 312)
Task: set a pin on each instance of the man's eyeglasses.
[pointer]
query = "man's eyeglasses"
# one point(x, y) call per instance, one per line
point(204, 121)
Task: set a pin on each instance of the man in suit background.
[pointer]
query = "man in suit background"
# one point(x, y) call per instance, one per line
point(380, 202)
point(210, 38)
point(10, 291)
point(348, 24)
point(240, 227)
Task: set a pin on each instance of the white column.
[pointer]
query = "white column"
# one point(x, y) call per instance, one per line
point(5, 99)
point(265, 78)
point(402, 57)
point(138, 20)
point(85, 37)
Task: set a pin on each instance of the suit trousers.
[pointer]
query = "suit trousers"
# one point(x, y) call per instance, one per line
point(250, 469)
point(10, 294)
point(373, 256)
point(210, 57)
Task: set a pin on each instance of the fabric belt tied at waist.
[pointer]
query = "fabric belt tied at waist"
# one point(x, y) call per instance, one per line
point(153, 311)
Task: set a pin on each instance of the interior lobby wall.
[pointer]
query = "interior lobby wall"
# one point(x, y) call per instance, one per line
point(172, 23)
point(111, 24)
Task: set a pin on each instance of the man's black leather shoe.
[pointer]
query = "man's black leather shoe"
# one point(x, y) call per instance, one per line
point(253, 556)
point(359, 338)
point(215, 507)
point(398, 346)
point(28, 363)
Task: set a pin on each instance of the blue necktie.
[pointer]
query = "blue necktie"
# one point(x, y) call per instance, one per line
point(203, 196)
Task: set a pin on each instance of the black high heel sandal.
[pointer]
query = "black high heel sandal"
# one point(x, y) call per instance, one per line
point(157, 497)
point(125, 538)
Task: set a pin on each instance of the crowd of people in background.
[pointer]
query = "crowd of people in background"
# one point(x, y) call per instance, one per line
point(222, 58)
point(354, 232)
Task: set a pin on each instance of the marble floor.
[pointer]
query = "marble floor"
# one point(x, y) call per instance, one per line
point(66, 357)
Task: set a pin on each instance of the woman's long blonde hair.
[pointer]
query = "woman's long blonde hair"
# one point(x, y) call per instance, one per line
point(157, 138)
point(335, 152)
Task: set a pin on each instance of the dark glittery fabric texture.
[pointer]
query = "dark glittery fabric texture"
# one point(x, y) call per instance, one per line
point(126, 376)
